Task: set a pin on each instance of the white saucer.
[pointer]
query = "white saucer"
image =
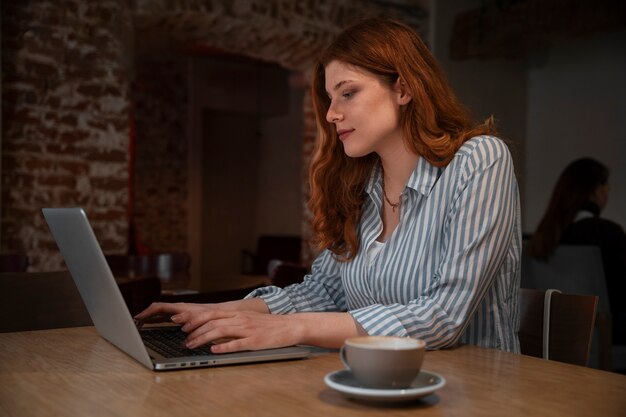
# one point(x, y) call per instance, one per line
point(344, 382)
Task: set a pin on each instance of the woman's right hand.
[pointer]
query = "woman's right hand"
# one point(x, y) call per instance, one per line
point(202, 322)
point(165, 311)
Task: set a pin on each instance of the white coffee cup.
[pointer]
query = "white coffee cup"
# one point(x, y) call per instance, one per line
point(383, 361)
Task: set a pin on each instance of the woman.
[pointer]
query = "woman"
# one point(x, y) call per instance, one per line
point(416, 209)
point(581, 192)
point(573, 217)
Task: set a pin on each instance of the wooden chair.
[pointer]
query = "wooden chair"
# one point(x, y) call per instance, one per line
point(40, 300)
point(208, 297)
point(139, 292)
point(49, 300)
point(269, 247)
point(577, 269)
point(287, 273)
point(13, 262)
point(171, 268)
point(557, 326)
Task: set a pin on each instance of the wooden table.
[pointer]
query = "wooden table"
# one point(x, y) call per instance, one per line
point(227, 282)
point(80, 374)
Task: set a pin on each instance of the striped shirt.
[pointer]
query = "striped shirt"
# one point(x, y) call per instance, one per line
point(450, 271)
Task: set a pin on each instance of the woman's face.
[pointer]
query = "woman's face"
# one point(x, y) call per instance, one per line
point(601, 195)
point(364, 110)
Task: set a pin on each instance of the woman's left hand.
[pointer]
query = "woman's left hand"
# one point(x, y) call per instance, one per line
point(238, 330)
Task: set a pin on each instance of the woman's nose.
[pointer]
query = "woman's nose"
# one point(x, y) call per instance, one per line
point(332, 115)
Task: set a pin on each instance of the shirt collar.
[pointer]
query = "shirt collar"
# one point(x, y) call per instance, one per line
point(422, 179)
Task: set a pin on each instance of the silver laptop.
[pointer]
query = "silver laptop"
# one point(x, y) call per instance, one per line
point(109, 313)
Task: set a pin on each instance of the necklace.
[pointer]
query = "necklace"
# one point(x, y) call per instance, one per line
point(394, 206)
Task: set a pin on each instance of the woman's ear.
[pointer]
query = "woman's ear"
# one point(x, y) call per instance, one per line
point(402, 92)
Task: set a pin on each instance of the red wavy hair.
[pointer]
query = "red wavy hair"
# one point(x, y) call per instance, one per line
point(434, 123)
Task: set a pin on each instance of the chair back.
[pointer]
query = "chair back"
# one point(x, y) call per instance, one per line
point(285, 248)
point(557, 326)
point(572, 269)
point(139, 292)
point(287, 273)
point(40, 300)
point(171, 268)
point(50, 300)
point(13, 262)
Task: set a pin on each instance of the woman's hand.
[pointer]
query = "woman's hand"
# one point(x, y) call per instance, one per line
point(232, 326)
point(246, 325)
point(233, 330)
point(167, 310)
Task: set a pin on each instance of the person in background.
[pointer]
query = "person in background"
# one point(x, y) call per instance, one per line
point(573, 218)
point(415, 207)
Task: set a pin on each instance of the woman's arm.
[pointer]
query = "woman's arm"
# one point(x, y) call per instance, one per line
point(245, 325)
point(246, 330)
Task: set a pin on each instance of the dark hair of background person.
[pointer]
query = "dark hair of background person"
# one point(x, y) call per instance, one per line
point(575, 187)
point(434, 122)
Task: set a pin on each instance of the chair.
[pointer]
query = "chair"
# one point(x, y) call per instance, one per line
point(139, 292)
point(287, 273)
point(208, 297)
point(557, 326)
point(49, 300)
point(171, 268)
point(572, 269)
point(13, 262)
point(269, 247)
point(40, 300)
point(576, 270)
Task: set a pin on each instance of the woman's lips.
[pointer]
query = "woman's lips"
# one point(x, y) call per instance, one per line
point(344, 133)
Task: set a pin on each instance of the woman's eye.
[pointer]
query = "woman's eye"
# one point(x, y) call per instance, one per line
point(348, 94)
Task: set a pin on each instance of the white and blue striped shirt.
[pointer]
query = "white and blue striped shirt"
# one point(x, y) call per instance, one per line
point(450, 271)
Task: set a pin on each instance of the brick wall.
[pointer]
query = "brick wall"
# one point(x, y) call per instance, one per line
point(65, 79)
point(290, 33)
point(66, 74)
point(159, 96)
point(287, 32)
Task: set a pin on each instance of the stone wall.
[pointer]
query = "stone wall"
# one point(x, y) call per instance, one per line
point(65, 77)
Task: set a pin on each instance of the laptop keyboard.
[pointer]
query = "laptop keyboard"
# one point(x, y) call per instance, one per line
point(170, 342)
